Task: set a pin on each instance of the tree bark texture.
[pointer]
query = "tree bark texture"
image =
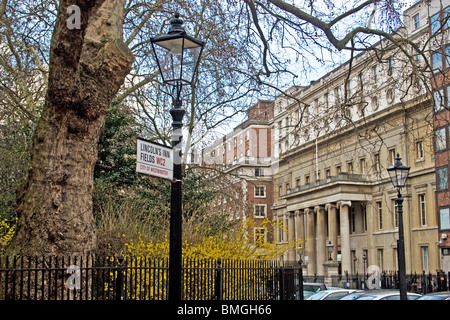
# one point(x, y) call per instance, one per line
point(87, 67)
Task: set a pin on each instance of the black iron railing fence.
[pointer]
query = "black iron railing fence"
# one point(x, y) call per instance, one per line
point(95, 278)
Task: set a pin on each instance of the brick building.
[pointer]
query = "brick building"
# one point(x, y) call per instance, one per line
point(439, 13)
point(243, 160)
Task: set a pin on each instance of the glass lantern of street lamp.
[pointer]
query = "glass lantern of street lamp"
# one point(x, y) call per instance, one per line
point(398, 173)
point(300, 251)
point(330, 248)
point(177, 54)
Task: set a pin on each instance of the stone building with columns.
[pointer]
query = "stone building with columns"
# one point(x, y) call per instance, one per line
point(335, 139)
point(335, 188)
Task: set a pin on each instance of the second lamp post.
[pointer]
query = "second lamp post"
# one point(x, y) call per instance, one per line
point(398, 174)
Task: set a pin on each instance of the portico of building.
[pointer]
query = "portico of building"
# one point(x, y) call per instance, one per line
point(336, 211)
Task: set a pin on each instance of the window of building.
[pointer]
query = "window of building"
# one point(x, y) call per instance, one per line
point(375, 73)
point(390, 66)
point(376, 162)
point(307, 181)
point(442, 178)
point(438, 96)
point(260, 236)
point(353, 220)
point(416, 19)
point(354, 260)
point(375, 104)
point(390, 95)
point(260, 210)
point(392, 156)
point(259, 172)
point(441, 139)
point(395, 256)
point(425, 259)
point(395, 212)
point(435, 23)
point(380, 258)
point(350, 167)
point(364, 215)
point(362, 165)
point(436, 60)
point(361, 81)
point(417, 54)
point(447, 17)
point(423, 209)
point(444, 218)
point(419, 150)
point(447, 103)
point(260, 191)
point(380, 215)
point(337, 94)
point(281, 231)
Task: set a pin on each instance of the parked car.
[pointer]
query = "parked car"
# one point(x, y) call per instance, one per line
point(353, 295)
point(443, 295)
point(334, 294)
point(309, 288)
point(386, 295)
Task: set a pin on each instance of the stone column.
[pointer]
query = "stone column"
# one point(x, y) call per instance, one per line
point(332, 228)
point(370, 230)
point(321, 239)
point(300, 226)
point(291, 236)
point(285, 227)
point(311, 241)
point(276, 231)
point(345, 236)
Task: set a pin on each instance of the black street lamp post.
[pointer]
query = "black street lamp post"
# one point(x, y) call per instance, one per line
point(330, 248)
point(300, 273)
point(365, 269)
point(398, 174)
point(178, 56)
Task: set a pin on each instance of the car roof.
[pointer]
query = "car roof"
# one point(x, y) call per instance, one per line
point(381, 292)
point(443, 294)
point(385, 292)
point(440, 293)
point(339, 290)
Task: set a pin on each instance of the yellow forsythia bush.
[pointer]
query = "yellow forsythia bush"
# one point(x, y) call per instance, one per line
point(198, 256)
point(7, 230)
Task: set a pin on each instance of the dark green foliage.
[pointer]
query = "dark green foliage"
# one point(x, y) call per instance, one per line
point(117, 148)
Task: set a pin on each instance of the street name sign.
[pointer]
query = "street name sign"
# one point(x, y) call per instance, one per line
point(154, 159)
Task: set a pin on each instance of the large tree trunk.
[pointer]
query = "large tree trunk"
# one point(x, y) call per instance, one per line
point(87, 67)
